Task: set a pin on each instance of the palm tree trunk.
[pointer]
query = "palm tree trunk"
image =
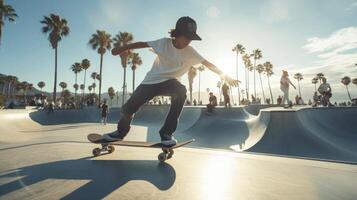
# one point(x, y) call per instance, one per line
point(199, 87)
point(124, 87)
point(348, 92)
point(261, 84)
point(299, 88)
point(237, 79)
point(255, 91)
point(133, 80)
point(271, 94)
point(101, 77)
point(190, 88)
point(9, 90)
point(84, 82)
point(248, 84)
point(75, 90)
point(4, 88)
point(55, 82)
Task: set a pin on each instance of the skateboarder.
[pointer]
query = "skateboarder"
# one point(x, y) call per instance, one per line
point(284, 86)
point(225, 92)
point(104, 109)
point(174, 59)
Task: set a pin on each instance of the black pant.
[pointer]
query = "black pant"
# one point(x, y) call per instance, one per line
point(145, 93)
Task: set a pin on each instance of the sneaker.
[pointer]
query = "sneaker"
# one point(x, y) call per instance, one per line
point(168, 140)
point(112, 137)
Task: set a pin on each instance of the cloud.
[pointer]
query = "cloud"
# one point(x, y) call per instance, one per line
point(353, 5)
point(274, 11)
point(345, 39)
point(336, 55)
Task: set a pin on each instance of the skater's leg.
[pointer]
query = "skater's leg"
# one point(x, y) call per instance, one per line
point(140, 96)
point(177, 91)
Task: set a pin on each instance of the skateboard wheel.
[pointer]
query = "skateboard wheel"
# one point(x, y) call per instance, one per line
point(162, 157)
point(111, 149)
point(171, 152)
point(96, 152)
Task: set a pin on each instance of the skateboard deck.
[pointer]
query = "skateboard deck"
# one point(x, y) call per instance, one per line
point(109, 146)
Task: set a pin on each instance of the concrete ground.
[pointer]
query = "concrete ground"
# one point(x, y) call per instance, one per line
point(42, 161)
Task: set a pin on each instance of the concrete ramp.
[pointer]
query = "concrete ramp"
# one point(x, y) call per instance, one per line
point(324, 133)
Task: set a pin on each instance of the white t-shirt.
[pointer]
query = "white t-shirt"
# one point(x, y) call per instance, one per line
point(170, 63)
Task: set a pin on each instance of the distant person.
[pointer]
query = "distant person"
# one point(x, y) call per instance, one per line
point(300, 101)
point(104, 110)
point(279, 100)
point(284, 86)
point(50, 108)
point(194, 102)
point(316, 99)
point(326, 92)
point(310, 102)
point(254, 100)
point(225, 92)
point(212, 103)
point(297, 99)
point(174, 58)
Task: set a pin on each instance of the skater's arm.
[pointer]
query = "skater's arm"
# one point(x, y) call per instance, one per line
point(292, 84)
point(136, 45)
point(216, 70)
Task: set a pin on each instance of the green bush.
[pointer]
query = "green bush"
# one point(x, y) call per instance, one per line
point(2, 100)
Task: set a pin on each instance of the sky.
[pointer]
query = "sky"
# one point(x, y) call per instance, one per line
point(295, 35)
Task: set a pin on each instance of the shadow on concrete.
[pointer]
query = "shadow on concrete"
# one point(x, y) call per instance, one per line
point(42, 143)
point(104, 176)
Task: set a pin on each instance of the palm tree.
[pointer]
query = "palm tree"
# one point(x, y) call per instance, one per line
point(314, 81)
point(9, 79)
point(76, 68)
point(122, 39)
point(63, 85)
point(257, 54)
point(268, 67)
point(248, 67)
point(298, 77)
point(134, 60)
point(201, 68)
point(94, 77)
point(192, 72)
point(85, 65)
point(90, 88)
point(319, 76)
point(7, 12)
point(111, 94)
point(24, 87)
point(3, 82)
point(101, 42)
point(75, 86)
point(239, 49)
point(346, 81)
point(82, 87)
point(260, 69)
point(57, 28)
point(41, 85)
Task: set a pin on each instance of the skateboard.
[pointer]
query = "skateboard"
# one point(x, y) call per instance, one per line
point(167, 152)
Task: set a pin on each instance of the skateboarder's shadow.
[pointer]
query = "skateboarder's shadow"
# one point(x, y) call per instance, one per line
point(103, 176)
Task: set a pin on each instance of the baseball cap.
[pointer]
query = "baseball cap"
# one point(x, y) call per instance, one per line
point(187, 27)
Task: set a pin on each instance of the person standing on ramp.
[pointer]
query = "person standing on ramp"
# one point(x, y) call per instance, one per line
point(174, 58)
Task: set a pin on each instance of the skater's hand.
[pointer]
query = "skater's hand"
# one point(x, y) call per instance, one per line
point(230, 81)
